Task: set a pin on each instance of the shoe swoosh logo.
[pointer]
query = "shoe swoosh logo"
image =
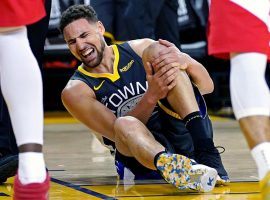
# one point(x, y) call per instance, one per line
point(210, 181)
point(99, 86)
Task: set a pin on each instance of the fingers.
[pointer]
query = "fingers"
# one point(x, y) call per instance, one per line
point(162, 71)
point(166, 51)
point(166, 72)
point(148, 69)
point(167, 82)
point(165, 43)
point(166, 58)
point(163, 81)
point(170, 77)
point(183, 66)
point(172, 84)
point(168, 62)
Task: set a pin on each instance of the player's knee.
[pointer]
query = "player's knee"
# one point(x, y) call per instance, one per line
point(125, 126)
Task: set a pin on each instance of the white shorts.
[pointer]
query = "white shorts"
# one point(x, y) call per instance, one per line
point(238, 26)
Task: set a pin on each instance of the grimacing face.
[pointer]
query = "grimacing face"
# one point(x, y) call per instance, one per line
point(85, 41)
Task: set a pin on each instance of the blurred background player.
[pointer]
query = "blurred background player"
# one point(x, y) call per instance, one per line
point(127, 20)
point(23, 93)
point(8, 148)
point(239, 31)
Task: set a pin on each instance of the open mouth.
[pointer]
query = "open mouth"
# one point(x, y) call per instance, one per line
point(87, 52)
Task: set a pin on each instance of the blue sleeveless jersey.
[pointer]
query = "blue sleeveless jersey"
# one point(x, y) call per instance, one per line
point(122, 90)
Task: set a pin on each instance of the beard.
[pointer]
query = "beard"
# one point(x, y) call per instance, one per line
point(94, 63)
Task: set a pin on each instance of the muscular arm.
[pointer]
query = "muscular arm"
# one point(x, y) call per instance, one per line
point(196, 71)
point(80, 101)
point(199, 76)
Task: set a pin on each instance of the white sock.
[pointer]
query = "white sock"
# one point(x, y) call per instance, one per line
point(31, 168)
point(261, 155)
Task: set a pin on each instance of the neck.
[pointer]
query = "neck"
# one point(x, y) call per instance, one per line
point(106, 65)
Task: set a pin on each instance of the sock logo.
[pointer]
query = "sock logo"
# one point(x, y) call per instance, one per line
point(194, 117)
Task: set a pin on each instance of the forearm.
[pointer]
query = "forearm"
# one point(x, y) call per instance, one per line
point(199, 76)
point(144, 108)
point(80, 103)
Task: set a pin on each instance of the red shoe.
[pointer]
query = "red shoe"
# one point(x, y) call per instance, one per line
point(32, 191)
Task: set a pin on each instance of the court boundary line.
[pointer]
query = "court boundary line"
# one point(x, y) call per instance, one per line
point(186, 194)
point(159, 183)
point(81, 189)
point(2, 194)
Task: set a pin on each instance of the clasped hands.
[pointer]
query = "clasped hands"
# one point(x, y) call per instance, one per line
point(162, 71)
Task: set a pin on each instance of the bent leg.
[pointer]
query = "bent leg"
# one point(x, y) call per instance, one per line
point(133, 139)
point(183, 101)
point(136, 140)
point(182, 97)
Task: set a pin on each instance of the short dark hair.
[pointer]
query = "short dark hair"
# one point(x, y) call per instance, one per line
point(77, 12)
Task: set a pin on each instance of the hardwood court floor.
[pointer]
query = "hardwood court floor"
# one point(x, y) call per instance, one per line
point(83, 169)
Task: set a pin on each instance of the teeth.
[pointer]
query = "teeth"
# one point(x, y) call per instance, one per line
point(88, 51)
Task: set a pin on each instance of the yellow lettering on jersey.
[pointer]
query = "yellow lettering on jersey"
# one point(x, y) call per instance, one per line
point(125, 68)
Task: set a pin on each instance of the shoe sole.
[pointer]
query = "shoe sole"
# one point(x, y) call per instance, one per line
point(9, 168)
point(221, 182)
point(202, 180)
point(32, 191)
point(175, 170)
point(208, 180)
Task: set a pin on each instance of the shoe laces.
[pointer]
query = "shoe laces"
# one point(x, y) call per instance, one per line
point(218, 148)
point(210, 155)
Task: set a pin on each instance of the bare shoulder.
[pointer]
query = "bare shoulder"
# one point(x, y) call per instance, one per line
point(76, 90)
point(139, 45)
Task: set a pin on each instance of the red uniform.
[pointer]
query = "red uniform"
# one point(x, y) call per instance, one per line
point(20, 12)
point(238, 26)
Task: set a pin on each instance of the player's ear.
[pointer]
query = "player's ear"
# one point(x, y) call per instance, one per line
point(101, 28)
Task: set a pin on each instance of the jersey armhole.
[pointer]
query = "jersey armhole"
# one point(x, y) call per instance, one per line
point(78, 76)
point(127, 47)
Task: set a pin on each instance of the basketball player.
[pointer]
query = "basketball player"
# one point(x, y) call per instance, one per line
point(8, 147)
point(239, 31)
point(113, 96)
point(21, 85)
